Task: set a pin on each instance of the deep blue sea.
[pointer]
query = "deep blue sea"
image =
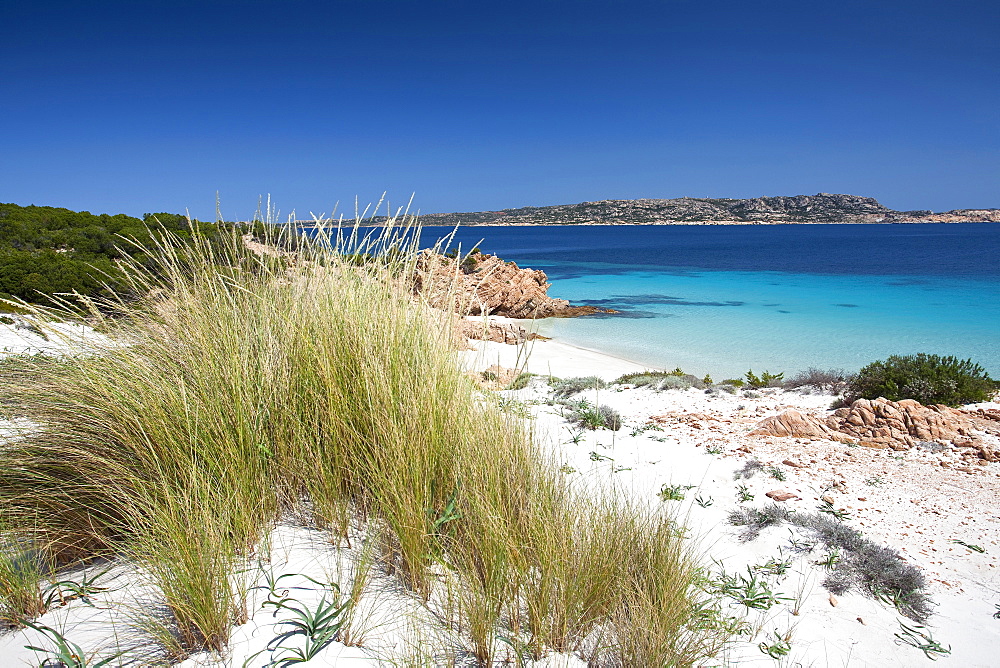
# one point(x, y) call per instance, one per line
point(721, 299)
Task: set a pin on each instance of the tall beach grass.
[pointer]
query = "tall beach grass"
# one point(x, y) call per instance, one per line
point(238, 386)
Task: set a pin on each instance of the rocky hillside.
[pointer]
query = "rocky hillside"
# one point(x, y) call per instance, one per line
point(820, 208)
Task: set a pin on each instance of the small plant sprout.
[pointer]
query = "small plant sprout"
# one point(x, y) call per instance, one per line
point(318, 625)
point(774, 566)
point(619, 469)
point(670, 492)
point(576, 437)
point(831, 559)
point(798, 544)
point(974, 548)
point(714, 449)
point(65, 653)
point(776, 473)
point(590, 418)
point(829, 509)
point(518, 409)
point(777, 646)
point(703, 502)
point(566, 468)
point(748, 590)
point(996, 615)
point(743, 494)
point(643, 428)
point(598, 457)
point(64, 591)
point(439, 526)
point(920, 637)
point(875, 481)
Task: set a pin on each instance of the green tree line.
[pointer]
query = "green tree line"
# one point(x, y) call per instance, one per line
point(46, 250)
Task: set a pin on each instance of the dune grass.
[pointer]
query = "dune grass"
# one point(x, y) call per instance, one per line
point(239, 386)
point(22, 569)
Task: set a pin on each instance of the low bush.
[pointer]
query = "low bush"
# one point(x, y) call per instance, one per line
point(595, 417)
point(661, 380)
point(929, 379)
point(830, 380)
point(875, 570)
point(567, 387)
point(521, 381)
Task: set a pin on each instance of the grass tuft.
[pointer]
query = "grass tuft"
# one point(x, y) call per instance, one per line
point(235, 387)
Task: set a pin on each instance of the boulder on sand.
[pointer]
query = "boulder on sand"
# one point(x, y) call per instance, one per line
point(795, 424)
point(879, 423)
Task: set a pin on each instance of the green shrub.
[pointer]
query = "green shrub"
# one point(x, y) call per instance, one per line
point(766, 379)
point(595, 417)
point(566, 387)
point(824, 380)
point(521, 381)
point(929, 379)
point(661, 380)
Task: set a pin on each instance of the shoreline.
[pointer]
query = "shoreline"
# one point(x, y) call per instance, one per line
point(681, 451)
point(544, 357)
point(309, 224)
point(920, 503)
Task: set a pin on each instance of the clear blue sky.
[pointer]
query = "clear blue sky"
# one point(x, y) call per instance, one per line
point(154, 105)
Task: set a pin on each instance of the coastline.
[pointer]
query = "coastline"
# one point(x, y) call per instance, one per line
point(919, 503)
point(549, 357)
point(309, 224)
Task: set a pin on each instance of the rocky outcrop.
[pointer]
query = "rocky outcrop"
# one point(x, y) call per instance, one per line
point(887, 424)
point(796, 425)
point(900, 424)
point(987, 415)
point(486, 285)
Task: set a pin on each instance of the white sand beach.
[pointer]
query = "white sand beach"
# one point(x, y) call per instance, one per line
point(916, 502)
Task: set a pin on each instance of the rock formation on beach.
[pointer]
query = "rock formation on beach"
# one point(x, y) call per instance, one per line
point(486, 285)
point(819, 208)
point(486, 329)
point(881, 423)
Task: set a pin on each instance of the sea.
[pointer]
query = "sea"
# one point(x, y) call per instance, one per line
point(724, 299)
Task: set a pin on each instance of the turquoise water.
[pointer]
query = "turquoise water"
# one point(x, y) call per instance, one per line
point(723, 299)
point(784, 322)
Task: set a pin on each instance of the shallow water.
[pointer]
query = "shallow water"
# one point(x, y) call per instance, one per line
point(723, 299)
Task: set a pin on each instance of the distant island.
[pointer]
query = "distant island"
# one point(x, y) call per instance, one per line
point(800, 209)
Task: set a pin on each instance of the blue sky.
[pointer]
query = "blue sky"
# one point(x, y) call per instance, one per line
point(154, 105)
